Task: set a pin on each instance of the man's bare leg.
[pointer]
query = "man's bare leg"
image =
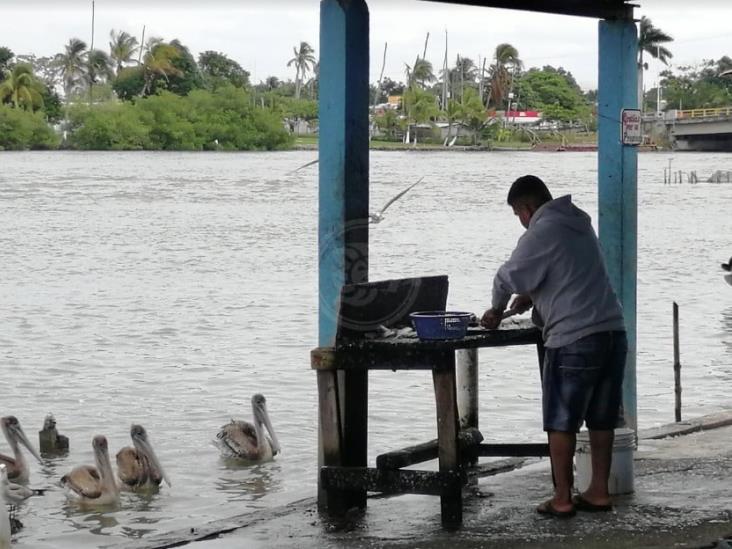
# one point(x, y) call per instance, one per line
point(561, 450)
point(601, 450)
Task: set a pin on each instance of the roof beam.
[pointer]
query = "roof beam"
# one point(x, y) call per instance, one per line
point(599, 9)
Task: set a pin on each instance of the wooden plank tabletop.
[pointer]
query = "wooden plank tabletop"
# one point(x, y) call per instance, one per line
point(407, 351)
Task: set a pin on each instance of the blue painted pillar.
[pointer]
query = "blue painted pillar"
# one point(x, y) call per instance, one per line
point(344, 155)
point(618, 172)
point(343, 230)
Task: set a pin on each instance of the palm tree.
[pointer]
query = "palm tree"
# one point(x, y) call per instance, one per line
point(99, 66)
point(158, 61)
point(420, 74)
point(71, 65)
point(304, 60)
point(122, 47)
point(649, 40)
point(506, 63)
point(464, 72)
point(272, 83)
point(21, 88)
point(420, 106)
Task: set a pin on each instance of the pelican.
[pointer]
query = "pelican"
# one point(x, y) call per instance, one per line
point(5, 529)
point(17, 468)
point(378, 217)
point(12, 493)
point(139, 467)
point(93, 485)
point(241, 439)
point(728, 267)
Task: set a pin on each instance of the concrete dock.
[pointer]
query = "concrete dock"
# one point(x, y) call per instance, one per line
point(683, 498)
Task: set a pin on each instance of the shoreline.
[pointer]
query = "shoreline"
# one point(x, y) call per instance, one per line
point(546, 148)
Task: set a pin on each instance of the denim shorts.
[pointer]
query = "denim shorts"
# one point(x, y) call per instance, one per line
point(583, 381)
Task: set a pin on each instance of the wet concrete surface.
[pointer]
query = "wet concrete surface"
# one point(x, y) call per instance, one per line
point(682, 498)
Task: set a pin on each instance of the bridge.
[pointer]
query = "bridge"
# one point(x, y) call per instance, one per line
point(700, 129)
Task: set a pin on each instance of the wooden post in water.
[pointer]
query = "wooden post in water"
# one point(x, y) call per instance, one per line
point(677, 365)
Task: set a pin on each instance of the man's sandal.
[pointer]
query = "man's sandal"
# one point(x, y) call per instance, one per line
point(547, 508)
point(581, 504)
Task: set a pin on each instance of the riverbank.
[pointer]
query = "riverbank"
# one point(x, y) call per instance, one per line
point(311, 144)
point(681, 499)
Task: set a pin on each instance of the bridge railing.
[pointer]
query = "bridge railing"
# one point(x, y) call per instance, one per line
point(705, 113)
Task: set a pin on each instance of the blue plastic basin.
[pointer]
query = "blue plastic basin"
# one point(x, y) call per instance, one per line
point(440, 324)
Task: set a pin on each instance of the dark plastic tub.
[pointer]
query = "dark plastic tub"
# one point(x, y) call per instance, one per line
point(440, 324)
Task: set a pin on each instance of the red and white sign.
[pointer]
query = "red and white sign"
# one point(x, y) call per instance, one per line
point(631, 127)
point(522, 117)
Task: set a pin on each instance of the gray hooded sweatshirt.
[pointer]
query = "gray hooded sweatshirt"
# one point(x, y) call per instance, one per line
point(559, 264)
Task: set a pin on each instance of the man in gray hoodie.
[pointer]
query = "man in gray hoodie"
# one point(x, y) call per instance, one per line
point(558, 267)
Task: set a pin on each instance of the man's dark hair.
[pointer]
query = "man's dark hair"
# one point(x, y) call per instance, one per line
point(529, 189)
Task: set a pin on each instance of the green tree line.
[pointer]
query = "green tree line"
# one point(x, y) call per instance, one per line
point(156, 95)
point(152, 96)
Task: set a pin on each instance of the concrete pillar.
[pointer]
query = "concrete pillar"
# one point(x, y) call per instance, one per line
point(343, 250)
point(467, 387)
point(617, 174)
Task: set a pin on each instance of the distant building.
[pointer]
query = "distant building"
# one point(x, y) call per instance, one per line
point(521, 117)
point(298, 126)
point(439, 130)
point(394, 101)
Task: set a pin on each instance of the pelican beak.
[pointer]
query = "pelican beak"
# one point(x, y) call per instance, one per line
point(146, 448)
point(268, 424)
point(20, 436)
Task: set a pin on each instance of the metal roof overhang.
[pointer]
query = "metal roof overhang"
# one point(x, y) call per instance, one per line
point(599, 9)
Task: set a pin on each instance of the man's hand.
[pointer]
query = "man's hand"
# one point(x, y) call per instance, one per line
point(491, 319)
point(521, 303)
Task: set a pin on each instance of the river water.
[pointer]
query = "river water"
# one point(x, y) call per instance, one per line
point(167, 288)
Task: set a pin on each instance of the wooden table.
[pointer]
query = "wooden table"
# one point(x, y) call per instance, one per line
point(344, 476)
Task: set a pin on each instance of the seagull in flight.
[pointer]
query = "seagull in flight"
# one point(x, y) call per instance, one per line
point(304, 166)
point(378, 217)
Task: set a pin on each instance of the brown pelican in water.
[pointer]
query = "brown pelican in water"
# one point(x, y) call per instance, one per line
point(5, 529)
point(12, 493)
point(17, 468)
point(93, 485)
point(241, 439)
point(139, 467)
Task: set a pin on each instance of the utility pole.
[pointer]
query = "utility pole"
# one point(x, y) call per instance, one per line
point(89, 58)
point(142, 43)
point(658, 87)
point(445, 76)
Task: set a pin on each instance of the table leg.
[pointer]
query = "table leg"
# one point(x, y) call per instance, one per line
point(354, 396)
point(451, 500)
point(329, 437)
point(342, 432)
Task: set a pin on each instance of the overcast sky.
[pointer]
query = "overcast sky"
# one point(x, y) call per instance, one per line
point(260, 35)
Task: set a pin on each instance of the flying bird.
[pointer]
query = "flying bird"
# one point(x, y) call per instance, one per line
point(304, 166)
point(244, 440)
point(90, 485)
point(139, 467)
point(17, 467)
point(378, 217)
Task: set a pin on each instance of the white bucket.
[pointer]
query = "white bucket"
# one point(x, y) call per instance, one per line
point(621, 470)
